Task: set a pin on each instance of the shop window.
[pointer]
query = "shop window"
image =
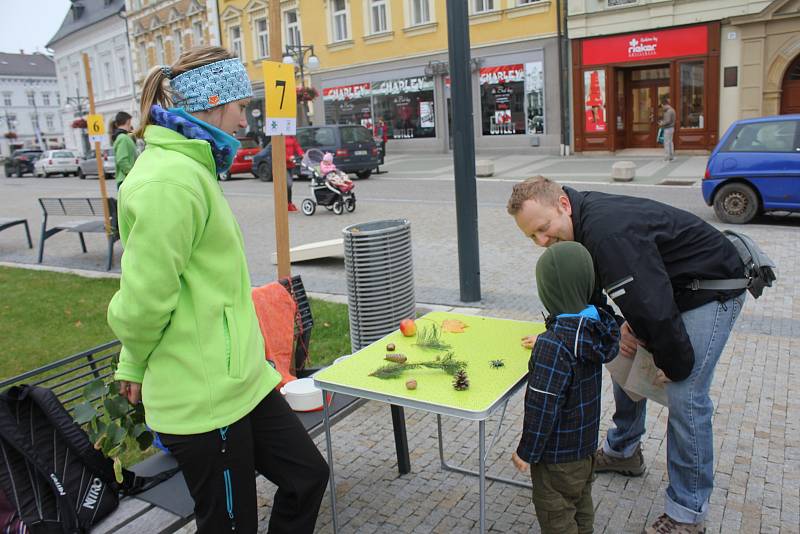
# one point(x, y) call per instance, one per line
point(594, 90)
point(775, 136)
point(503, 100)
point(534, 97)
point(692, 94)
point(406, 107)
point(349, 104)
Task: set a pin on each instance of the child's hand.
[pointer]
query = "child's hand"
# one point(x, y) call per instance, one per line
point(528, 341)
point(521, 465)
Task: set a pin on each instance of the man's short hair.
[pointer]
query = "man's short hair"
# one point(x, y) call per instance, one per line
point(538, 188)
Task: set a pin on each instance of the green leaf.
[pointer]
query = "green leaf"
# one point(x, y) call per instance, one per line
point(98, 444)
point(114, 452)
point(118, 470)
point(84, 412)
point(138, 429)
point(145, 440)
point(115, 433)
point(116, 407)
point(94, 389)
point(137, 415)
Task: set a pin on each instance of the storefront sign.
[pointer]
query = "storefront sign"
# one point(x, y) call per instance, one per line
point(404, 85)
point(346, 92)
point(663, 44)
point(502, 74)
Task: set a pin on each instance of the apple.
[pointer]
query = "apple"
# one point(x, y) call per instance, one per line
point(408, 327)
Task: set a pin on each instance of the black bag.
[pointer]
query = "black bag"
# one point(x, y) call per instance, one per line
point(50, 471)
point(759, 269)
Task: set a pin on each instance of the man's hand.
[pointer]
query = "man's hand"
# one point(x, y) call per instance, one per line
point(660, 378)
point(628, 342)
point(529, 341)
point(521, 465)
point(131, 391)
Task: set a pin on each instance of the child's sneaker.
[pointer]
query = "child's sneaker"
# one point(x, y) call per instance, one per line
point(666, 525)
point(632, 467)
point(292, 207)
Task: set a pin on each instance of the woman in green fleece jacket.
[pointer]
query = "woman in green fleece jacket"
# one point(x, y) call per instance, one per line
point(191, 344)
point(124, 147)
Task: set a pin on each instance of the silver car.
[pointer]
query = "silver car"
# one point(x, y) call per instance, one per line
point(88, 165)
point(63, 162)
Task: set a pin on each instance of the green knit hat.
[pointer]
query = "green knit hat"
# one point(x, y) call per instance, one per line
point(565, 278)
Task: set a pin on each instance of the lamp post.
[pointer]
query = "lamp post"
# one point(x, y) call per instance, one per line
point(296, 54)
point(77, 102)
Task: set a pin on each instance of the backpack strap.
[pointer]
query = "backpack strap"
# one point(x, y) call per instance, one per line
point(719, 285)
point(11, 436)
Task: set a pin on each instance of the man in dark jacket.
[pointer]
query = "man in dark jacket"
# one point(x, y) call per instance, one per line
point(646, 255)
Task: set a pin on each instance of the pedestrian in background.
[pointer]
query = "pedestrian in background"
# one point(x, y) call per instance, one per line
point(293, 150)
point(124, 146)
point(667, 123)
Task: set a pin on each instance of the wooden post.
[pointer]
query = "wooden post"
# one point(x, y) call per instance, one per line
point(279, 156)
point(101, 177)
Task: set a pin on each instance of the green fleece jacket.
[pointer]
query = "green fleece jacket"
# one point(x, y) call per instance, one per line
point(184, 311)
point(124, 157)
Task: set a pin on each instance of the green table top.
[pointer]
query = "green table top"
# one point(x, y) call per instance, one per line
point(484, 339)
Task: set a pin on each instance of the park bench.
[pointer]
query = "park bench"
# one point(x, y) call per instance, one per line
point(8, 223)
point(68, 377)
point(79, 207)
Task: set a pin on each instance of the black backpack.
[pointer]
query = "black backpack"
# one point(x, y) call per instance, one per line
point(50, 471)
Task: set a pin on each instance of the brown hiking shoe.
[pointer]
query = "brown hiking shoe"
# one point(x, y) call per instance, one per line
point(666, 525)
point(631, 467)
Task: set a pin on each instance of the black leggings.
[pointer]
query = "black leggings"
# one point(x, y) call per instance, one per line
point(219, 468)
point(289, 183)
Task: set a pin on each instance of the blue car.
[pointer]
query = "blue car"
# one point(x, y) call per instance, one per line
point(755, 168)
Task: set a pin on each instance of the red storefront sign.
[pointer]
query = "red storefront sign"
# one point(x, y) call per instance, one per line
point(502, 74)
point(346, 92)
point(645, 46)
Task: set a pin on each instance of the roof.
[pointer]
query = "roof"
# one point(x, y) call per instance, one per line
point(90, 12)
point(26, 65)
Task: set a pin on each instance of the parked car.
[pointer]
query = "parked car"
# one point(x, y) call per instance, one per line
point(21, 162)
point(353, 148)
point(243, 161)
point(64, 162)
point(755, 168)
point(88, 164)
point(262, 166)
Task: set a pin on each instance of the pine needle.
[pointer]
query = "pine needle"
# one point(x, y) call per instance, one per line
point(446, 363)
point(430, 337)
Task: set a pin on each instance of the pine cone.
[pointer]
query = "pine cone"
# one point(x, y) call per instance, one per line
point(396, 358)
point(461, 382)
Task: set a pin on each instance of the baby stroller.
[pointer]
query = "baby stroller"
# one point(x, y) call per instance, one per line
point(332, 189)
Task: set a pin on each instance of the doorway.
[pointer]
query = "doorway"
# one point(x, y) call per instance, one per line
point(648, 86)
point(790, 95)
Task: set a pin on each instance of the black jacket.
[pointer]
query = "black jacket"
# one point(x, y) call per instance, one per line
point(645, 253)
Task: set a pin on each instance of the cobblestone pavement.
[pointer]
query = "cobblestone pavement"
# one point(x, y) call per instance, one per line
point(757, 419)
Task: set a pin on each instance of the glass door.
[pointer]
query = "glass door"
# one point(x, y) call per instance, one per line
point(646, 112)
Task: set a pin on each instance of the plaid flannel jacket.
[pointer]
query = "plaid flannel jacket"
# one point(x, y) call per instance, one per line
point(562, 401)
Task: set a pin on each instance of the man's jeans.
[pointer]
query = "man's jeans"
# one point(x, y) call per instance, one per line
point(669, 147)
point(690, 443)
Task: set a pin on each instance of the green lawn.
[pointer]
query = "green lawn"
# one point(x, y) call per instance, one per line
point(45, 316)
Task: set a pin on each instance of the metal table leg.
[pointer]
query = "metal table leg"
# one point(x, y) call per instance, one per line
point(482, 470)
point(400, 439)
point(326, 419)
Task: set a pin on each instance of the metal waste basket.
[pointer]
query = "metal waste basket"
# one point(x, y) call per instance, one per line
point(380, 278)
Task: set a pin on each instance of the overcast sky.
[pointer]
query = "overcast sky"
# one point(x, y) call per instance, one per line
point(28, 24)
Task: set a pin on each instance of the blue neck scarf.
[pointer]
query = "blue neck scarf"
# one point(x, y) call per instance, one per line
point(223, 145)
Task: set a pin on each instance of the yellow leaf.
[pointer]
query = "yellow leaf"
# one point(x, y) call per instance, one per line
point(454, 326)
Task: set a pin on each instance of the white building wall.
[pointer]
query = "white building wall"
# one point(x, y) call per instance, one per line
point(106, 43)
point(23, 115)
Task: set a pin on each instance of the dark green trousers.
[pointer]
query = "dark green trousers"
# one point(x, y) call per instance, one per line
point(562, 496)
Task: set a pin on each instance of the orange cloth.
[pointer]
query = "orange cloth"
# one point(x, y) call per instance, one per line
point(276, 311)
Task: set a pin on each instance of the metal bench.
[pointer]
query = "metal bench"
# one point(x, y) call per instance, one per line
point(69, 376)
point(8, 223)
point(79, 207)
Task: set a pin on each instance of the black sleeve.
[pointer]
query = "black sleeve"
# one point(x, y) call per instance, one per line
point(634, 277)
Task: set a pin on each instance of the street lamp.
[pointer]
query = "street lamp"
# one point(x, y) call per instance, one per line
point(76, 103)
point(296, 53)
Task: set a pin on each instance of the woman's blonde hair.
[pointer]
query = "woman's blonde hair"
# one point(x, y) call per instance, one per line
point(156, 89)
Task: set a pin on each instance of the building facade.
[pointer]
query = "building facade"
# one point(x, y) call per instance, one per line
point(97, 28)
point(31, 103)
point(159, 30)
point(384, 64)
point(628, 55)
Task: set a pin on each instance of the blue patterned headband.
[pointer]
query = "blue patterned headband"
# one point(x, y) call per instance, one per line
point(211, 85)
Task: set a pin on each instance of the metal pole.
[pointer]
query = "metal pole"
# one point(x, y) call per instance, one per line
point(332, 483)
point(482, 469)
point(464, 150)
